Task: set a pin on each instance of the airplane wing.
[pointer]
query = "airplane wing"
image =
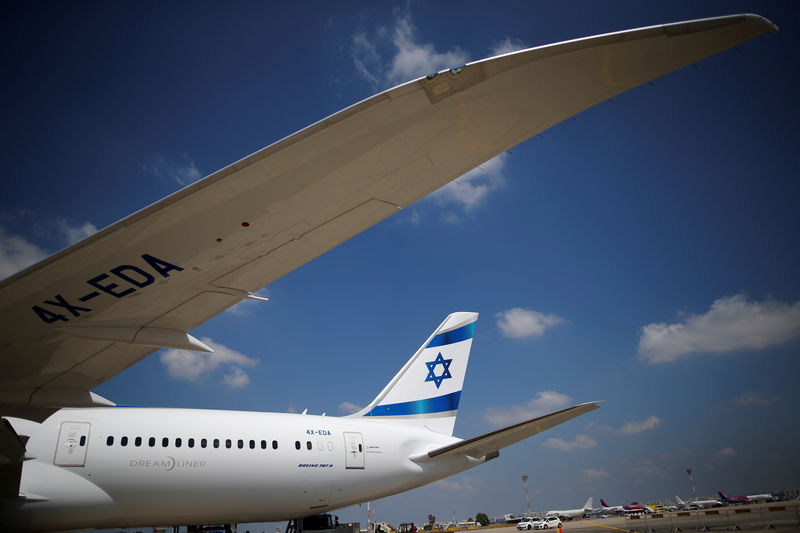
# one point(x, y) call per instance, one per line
point(88, 312)
point(488, 444)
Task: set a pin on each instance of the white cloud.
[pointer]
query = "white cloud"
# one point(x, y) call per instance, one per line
point(591, 474)
point(471, 189)
point(191, 366)
point(751, 398)
point(544, 403)
point(236, 378)
point(580, 442)
point(649, 468)
point(17, 253)
point(348, 408)
point(414, 59)
point(183, 172)
point(519, 323)
point(637, 427)
point(462, 484)
point(366, 58)
point(732, 324)
point(507, 46)
point(726, 452)
point(409, 58)
point(74, 234)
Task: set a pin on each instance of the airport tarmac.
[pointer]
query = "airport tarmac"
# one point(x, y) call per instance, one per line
point(776, 516)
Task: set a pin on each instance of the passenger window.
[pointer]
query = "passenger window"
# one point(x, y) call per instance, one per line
point(178, 442)
point(240, 444)
point(190, 443)
point(151, 442)
point(123, 441)
point(216, 443)
point(330, 446)
point(165, 442)
point(319, 445)
point(308, 444)
point(203, 443)
point(297, 444)
point(227, 443)
point(109, 441)
point(252, 444)
point(138, 441)
point(263, 445)
point(274, 445)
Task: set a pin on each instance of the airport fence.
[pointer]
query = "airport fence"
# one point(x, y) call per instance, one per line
point(777, 516)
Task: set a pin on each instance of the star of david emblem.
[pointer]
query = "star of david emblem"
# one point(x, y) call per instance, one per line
point(432, 366)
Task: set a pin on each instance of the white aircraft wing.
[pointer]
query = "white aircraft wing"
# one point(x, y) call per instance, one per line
point(488, 444)
point(85, 314)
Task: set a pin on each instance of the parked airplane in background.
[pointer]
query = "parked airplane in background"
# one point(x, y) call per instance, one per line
point(572, 513)
point(698, 504)
point(632, 508)
point(751, 498)
point(733, 499)
point(85, 314)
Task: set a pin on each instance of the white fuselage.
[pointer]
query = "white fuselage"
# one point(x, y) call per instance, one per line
point(131, 469)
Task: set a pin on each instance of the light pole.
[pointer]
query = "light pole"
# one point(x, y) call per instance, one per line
point(527, 498)
point(691, 479)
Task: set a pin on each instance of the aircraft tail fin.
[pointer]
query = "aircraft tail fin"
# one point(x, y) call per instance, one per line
point(603, 503)
point(678, 499)
point(724, 498)
point(589, 503)
point(427, 390)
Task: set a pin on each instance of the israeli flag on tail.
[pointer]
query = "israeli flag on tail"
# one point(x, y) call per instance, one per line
point(427, 390)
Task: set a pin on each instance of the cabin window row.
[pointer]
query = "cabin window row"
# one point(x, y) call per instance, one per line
point(190, 443)
point(215, 443)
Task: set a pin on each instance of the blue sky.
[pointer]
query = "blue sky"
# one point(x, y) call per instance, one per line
point(644, 253)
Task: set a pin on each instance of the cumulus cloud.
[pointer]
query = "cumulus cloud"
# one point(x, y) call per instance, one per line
point(236, 378)
point(471, 189)
point(182, 171)
point(73, 234)
point(649, 468)
point(462, 484)
point(17, 253)
point(580, 442)
point(408, 58)
point(545, 402)
point(192, 366)
point(591, 474)
point(415, 59)
point(726, 452)
point(519, 323)
point(637, 427)
point(732, 324)
point(751, 398)
point(507, 46)
point(348, 408)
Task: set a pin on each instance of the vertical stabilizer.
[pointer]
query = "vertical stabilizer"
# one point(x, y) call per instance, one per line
point(588, 505)
point(427, 390)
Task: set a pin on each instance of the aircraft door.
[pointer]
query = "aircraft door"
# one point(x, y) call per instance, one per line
point(72, 441)
point(354, 448)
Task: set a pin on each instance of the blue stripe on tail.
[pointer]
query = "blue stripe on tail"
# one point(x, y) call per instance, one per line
point(448, 402)
point(453, 336)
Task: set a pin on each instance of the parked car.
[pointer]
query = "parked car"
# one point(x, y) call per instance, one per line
point(526, 523)
point(547, 522)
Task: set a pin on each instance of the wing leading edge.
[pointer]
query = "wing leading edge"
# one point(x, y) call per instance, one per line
point(85, 314)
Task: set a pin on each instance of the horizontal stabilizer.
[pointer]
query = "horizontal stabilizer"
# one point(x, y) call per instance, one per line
point(484, 445)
